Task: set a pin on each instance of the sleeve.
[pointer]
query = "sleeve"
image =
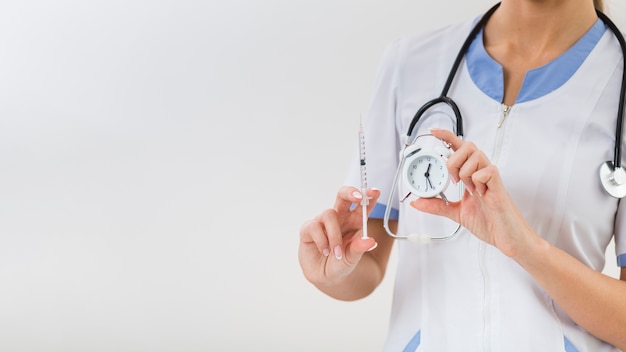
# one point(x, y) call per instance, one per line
point(381, 134)
point(620, 235)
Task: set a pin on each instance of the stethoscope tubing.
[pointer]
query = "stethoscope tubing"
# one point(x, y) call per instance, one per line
point(617, 155)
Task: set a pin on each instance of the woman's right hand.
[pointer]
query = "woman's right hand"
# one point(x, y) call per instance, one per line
point(331, 245)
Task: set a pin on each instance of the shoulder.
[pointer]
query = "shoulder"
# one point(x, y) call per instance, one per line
point(451, 35)
point(437, 46)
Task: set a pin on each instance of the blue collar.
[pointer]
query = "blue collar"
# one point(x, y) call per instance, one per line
point(488, 76)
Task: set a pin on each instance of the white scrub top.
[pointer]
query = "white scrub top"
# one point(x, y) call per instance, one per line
point(463, 294)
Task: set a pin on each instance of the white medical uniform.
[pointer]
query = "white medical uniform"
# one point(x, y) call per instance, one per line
point(463, 294)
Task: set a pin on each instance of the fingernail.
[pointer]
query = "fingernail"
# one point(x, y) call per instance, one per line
point(338, 253)
point(357, 195)
point(373, 247)
point(326, 252)
point(373, 189)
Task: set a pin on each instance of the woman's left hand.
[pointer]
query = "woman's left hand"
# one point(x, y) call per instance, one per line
point(486, 209)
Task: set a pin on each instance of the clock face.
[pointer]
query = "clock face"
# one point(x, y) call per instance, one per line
point(426, 175)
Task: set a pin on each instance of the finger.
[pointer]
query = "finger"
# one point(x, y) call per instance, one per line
point(312, 232)
point(456, 144)
point(346, 196)
point(357, 247)
point(332, 229)
point(485, 179)
point(448, 137)
point(475, 162)
point(437, 206)
point(458, 159)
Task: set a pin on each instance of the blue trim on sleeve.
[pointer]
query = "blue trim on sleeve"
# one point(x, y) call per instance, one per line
point(488, 75)
point(621, 260)
point(569, 347)
point(414, 343)
point(379, 212)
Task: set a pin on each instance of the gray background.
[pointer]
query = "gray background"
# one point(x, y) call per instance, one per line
point(157, 159)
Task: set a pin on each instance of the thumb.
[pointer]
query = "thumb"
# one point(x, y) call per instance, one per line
point(359, 246)
point(437, 206)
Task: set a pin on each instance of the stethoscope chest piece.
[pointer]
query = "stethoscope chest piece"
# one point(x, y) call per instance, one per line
point(613, 179)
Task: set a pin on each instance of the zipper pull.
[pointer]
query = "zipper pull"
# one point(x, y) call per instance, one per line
point(505, 112)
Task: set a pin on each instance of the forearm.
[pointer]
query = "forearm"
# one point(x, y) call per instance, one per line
point(593, 300)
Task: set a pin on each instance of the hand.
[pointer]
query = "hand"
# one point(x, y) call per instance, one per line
point(486, 209)
point(331, 245)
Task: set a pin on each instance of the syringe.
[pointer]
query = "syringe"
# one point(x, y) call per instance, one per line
point(364, 200)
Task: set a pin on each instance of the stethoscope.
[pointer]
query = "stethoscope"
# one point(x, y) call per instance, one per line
point(612, 175)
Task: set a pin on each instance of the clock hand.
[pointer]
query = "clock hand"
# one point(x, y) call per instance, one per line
point(427, 175)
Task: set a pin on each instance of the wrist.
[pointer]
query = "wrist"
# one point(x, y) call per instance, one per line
point(535, 249)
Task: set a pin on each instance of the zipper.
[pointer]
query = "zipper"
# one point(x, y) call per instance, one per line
point(505, 112)
point(482, 260)
point(506, 109)
point(486, 299)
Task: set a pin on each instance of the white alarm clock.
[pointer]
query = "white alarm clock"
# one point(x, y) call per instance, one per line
point(425, 174)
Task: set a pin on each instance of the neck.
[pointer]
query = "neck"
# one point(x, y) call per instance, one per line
point(539, 28)
point(526, 34)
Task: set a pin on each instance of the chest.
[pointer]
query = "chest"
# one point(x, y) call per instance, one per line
point(548, 150)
